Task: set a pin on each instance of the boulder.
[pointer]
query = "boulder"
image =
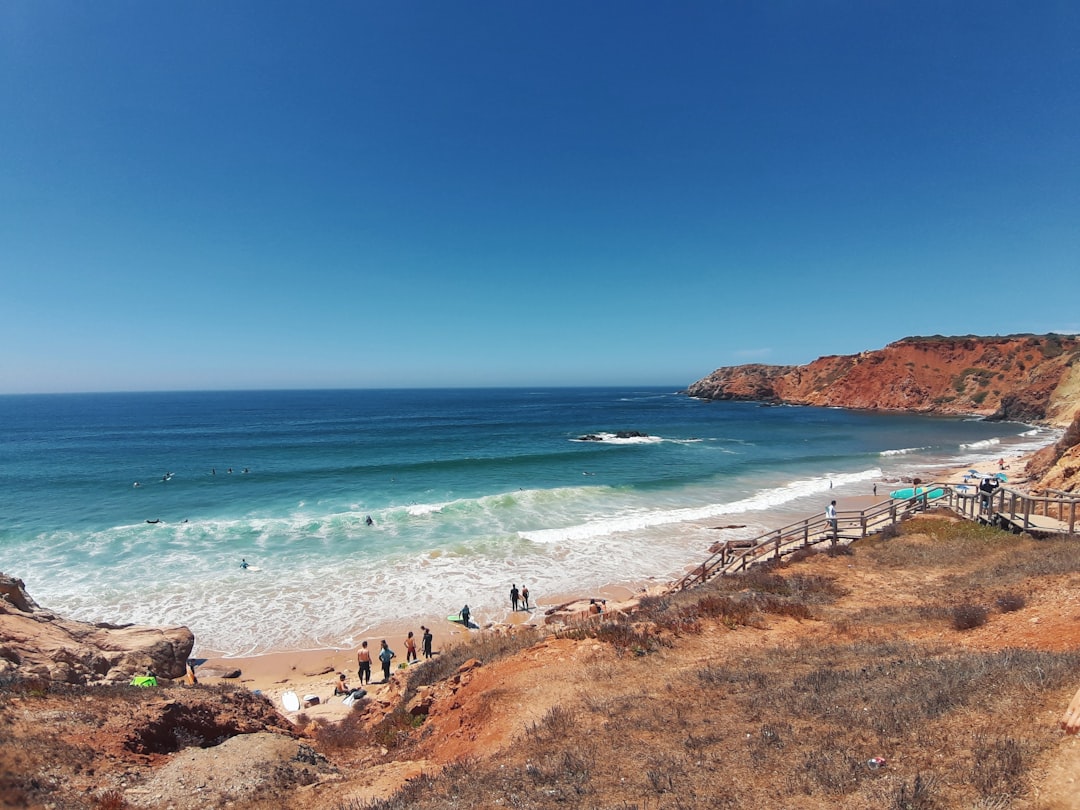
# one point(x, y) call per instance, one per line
point(37, 644)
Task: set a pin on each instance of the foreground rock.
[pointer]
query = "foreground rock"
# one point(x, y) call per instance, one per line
point(1017, 377)
point(37, 644)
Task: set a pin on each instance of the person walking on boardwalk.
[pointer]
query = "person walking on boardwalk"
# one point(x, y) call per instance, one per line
point(525, 597)
point(514, 596)
point(426, 641)
point(363, 658)
point(830, 515)
point(410, 647)
point(386, 655)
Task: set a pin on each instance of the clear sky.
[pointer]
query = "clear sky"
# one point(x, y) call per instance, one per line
point(262, 194)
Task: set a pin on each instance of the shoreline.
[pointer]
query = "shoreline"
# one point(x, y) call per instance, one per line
point(315, 672)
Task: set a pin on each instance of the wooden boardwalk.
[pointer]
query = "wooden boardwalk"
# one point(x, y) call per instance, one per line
point(1051, 514)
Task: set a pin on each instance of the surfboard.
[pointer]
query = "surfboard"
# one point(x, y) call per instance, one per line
point(455, 618)
point(291, 701)
point(913, 492)
point(253, 568)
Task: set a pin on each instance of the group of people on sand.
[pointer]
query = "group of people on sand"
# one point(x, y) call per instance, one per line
point(386, 655)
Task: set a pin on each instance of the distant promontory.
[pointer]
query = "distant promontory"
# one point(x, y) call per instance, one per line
point(1028, 378)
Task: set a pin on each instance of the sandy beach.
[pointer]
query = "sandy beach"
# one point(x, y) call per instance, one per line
point(315, 672)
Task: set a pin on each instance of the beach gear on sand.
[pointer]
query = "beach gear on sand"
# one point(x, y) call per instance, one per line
point(914, 492)
point(144, 680)
point(290, 701)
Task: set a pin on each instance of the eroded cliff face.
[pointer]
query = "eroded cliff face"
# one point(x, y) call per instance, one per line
point(1031, 378)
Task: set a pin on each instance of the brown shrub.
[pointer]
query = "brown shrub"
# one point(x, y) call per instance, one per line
point(968, 616)
point(1010, 602)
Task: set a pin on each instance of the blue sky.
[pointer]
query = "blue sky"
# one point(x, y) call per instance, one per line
point(214, 195)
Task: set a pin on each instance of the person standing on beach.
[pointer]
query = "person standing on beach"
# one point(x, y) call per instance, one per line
point(465, 616)
point(363, 658)
point(386, 655)
point(410, 647)
point(426, 641)
point(514, 595)
point(830, 515)
point(525, 597)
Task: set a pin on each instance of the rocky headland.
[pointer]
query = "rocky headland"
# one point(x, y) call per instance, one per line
point(1025, 378)
point(1028, 378)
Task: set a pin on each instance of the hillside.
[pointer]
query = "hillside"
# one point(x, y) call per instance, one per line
point(1030, 378)
point(925, 670)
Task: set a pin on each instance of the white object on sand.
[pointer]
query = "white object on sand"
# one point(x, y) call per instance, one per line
point(291, 701)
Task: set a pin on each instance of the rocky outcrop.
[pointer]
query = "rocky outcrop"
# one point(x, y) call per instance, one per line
point(1057, 467)
point(37, 644)
point(1031, 378)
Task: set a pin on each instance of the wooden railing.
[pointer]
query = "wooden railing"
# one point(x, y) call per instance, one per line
point(732, 556)
point(1052, 513)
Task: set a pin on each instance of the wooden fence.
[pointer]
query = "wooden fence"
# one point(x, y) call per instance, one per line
point(1053, 513)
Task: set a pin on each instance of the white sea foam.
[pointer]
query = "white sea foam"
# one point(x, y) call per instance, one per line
point(994, 442)
point(612, 438)
point(765, 499)
point(902, 452)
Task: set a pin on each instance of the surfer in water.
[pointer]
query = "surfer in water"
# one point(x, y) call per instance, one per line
point(243, 563)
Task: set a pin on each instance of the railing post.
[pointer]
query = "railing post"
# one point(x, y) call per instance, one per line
point(1027, 513)
point(862, 522)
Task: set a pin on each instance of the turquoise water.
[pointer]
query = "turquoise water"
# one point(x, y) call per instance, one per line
point(468, 491)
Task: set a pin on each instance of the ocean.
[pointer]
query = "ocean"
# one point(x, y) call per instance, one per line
point(140, 507)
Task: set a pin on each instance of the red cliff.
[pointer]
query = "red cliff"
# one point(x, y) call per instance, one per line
point(1032, 378)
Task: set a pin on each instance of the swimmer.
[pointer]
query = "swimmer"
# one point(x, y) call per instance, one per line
point(243, 564)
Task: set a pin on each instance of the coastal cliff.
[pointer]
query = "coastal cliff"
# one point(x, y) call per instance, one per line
point(1030, 378)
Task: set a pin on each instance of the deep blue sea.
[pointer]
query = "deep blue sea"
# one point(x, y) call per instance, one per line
point(468, 491)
